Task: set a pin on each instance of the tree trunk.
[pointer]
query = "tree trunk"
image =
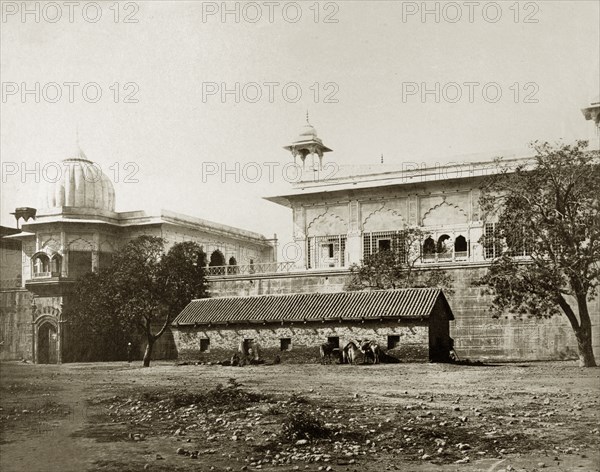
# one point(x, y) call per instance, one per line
point(148, 351)
point(582, 328)
point(584, 333)
point(584, 347)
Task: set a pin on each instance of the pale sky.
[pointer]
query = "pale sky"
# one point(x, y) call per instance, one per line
point(368, 58)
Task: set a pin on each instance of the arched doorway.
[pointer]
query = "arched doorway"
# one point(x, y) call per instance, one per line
point(429, 246)
point(460, 244)
point(47, 343)
point(217, 259)
point(442, 246)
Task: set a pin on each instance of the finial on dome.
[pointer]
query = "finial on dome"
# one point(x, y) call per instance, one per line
point(308, 122)
point(77, 153)
point(382, 158)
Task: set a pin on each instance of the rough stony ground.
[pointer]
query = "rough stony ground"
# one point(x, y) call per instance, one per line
point(412, 417)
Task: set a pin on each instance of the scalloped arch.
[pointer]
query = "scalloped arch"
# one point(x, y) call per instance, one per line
point(326, 224)
point(436, 215)
point(317, 217)
point(383, 219)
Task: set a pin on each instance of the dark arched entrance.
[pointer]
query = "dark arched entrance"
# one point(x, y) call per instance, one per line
point(460, 244)
point(441, 243)
point(429, 246)
point(47, 344)
point(217, 259)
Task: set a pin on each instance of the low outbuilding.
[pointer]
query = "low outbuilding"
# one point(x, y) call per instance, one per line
point(410, 324)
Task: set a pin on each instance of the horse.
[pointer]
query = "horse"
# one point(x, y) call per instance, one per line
point(326, 351)
point(351, 353)
point(370, 350)
point(376, 352)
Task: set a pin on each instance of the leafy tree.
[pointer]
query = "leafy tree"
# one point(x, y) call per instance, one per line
point(143, 288)
point(183, 273)
point(548, 211)
point(395, 267)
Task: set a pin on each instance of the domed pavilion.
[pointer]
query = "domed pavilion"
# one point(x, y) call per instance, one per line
point(76, 229)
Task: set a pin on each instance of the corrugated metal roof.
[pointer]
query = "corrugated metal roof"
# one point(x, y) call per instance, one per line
point(403, 303)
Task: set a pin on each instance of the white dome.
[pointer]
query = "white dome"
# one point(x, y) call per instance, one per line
point(81, 184)
point(307, 132)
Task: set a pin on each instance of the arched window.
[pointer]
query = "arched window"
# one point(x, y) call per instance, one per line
point(429, 246)
point(460, 244)
point(41, 264)
point(217, 259)
point(55, 264)
point(441, 244)
point(232, 269)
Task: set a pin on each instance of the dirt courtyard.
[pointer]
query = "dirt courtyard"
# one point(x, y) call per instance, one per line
point(409, 417)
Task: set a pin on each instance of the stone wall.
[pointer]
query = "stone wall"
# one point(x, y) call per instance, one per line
point(306, 282)
point(305, 339)
point(477, 334)
point(10, 264)
point(15, 324)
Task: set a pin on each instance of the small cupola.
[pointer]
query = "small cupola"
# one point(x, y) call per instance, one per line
point(308, 143)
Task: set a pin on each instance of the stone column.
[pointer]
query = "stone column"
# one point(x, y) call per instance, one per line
point(413, 210)
point(354, 237)
point(299, 252)
point(33, 334)
point(64, 253)
point(300, 239)
point(353, 248)
point(475, 234)
point(60, 334)
point(95, 252)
